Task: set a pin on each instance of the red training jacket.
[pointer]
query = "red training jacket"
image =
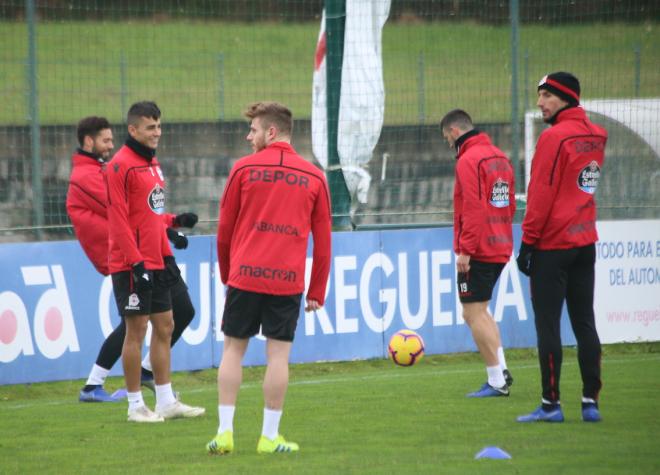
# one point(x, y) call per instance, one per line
point(272, 200)
point(484, 201)
point(136, 205)
point(561, 209)
point(86, 205)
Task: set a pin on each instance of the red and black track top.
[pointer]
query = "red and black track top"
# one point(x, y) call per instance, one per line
point(272, 200)
point(136, 205)
point(561, 209)
point(86, 205)
point(484, 201)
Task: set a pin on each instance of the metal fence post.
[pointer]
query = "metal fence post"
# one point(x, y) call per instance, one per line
point(124, 86)
point(638, 68)
point(515, 120)
point(421, 89)
point(35, 131)
point(526, 79)
point(221, 86)
point(334, 26)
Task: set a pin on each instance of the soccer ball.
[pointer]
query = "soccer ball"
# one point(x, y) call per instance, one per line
point(406, 348)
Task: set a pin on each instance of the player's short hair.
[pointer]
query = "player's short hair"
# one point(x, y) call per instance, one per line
point(142, 109)
point(272, 113)
point(457, 118)
point(91, 126)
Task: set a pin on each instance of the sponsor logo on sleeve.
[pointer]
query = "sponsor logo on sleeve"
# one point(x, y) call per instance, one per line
point(499, 195)
point(588, 178)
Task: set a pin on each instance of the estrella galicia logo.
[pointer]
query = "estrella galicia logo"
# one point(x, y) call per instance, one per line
point(156, 199)
point(588, 178)
point(499, 195)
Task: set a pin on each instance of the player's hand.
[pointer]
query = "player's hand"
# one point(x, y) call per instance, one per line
point(177, 238)
point(463, 263)
point(143, 279)
point(524, 259)
point(185, 220)
point(311, 305)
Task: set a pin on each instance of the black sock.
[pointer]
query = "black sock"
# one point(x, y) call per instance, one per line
point(146, 374)
point(91, 387)
point(548, 407)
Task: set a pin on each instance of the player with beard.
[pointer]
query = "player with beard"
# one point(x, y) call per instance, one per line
point(87, 208)
point(558, 249)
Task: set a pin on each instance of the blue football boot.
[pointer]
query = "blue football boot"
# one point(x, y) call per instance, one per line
point(489, 391)
point(541, 415)
point(590, 413)
point(98, 394)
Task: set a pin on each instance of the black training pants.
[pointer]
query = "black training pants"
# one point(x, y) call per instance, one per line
point(559, 275)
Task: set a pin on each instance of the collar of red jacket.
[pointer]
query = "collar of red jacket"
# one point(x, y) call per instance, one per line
point(571, 113)
point(475, 138)
point(85, 158)
point(285, 146)
point(143, 151)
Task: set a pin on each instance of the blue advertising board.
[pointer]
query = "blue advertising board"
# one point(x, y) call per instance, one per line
point(56, 310)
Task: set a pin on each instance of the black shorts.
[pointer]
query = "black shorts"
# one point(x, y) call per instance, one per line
point(245, 311)
point(477, 284)
point(130, 302)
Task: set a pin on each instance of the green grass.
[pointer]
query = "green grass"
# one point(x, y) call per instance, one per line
point(357, 417)
point(177, 64)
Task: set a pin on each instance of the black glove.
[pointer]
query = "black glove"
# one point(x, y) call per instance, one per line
point(177, 238)
point(185, 220)
point(524, 258)
point(142, 278)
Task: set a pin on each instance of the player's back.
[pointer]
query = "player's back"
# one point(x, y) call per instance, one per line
point(274, 193)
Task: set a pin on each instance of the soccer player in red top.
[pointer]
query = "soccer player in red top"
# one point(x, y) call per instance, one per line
point(272, 200)
point(558, 244)
point(140, 279)
point(86, 203)
point(484, 206)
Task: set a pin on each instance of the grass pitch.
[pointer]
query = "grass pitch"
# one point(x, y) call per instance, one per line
point(357, 417)
point(206, 71)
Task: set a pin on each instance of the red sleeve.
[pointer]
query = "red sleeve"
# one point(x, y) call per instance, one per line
point(457, 212)
point(322, 233)
point(474, 208)
point(89, 219)
point(168, 220)
point(512, 192)
point(120, 230)
point(230, 204)
point(542, 190)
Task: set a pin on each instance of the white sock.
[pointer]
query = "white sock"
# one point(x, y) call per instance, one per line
point(146, 362)
point(500, 357)
point(588, 400)
point(164, 395)
point(134, 400)
point(97, 376)
point(545, 401)
point(271, 425)
point(495, 376)
point(226, 418)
